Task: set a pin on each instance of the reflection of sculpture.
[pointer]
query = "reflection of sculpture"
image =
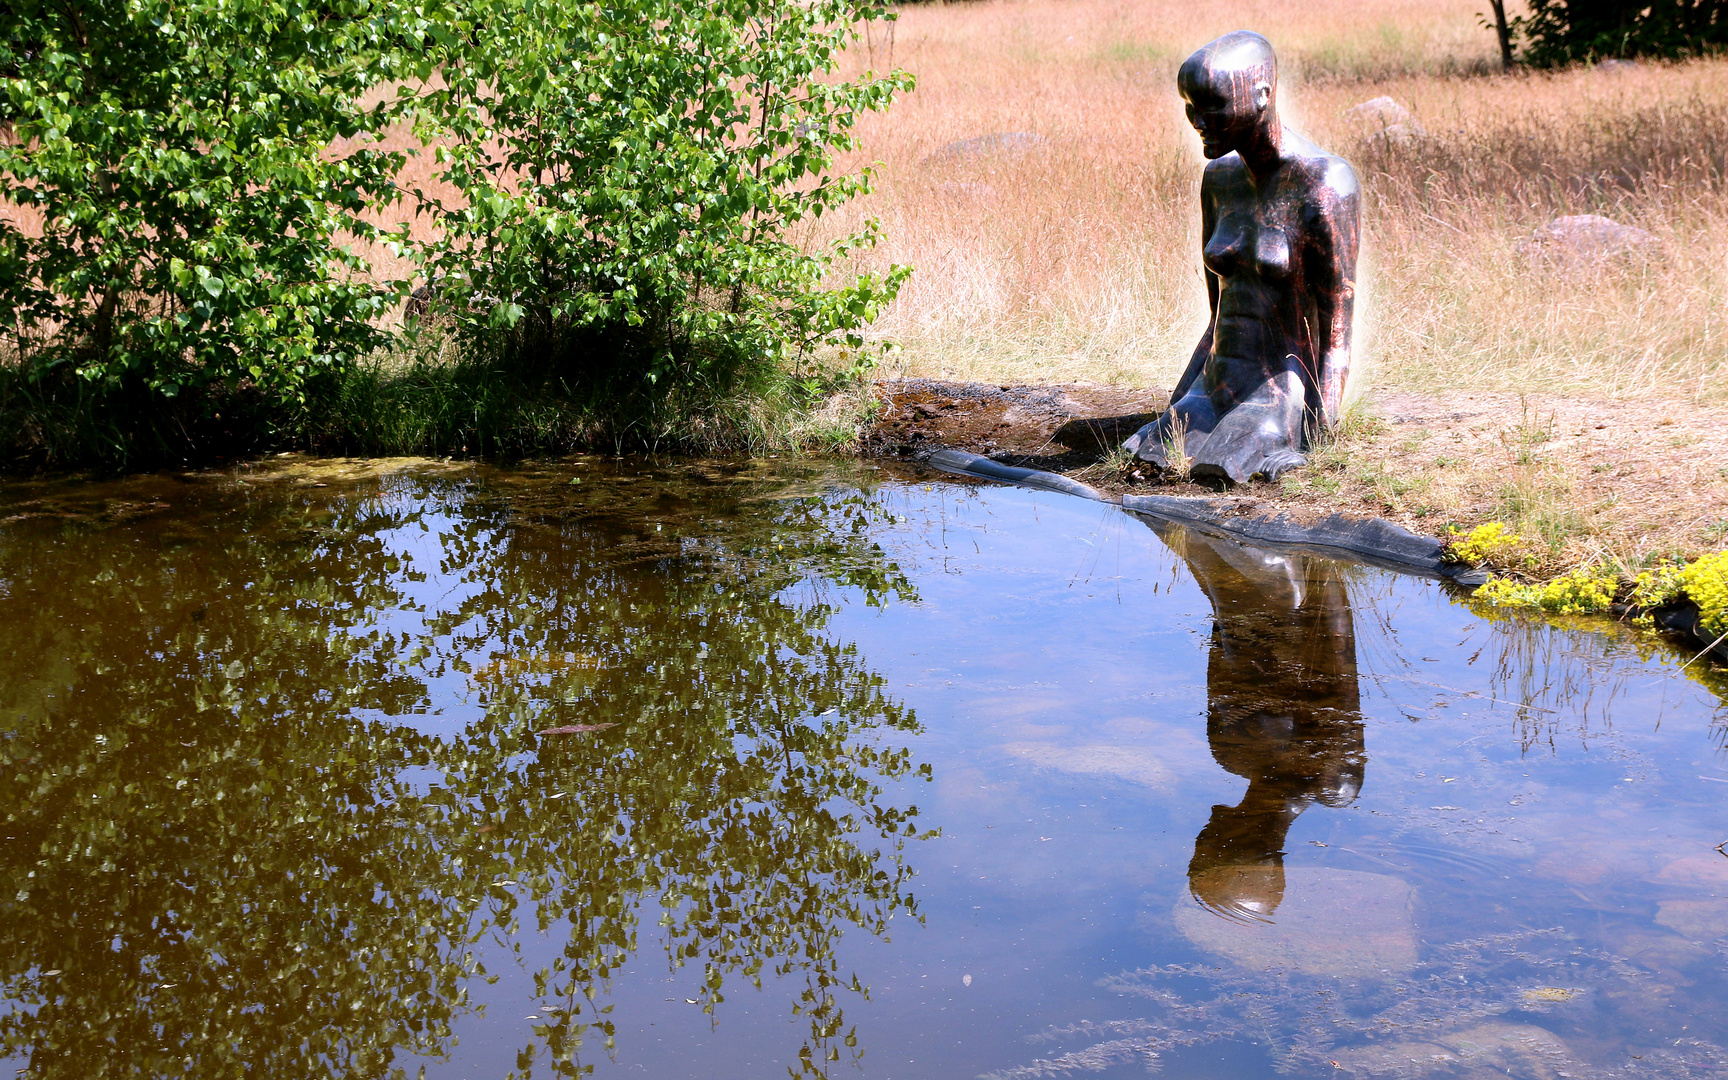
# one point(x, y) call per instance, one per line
point(1283, 711)
point(1279, 221)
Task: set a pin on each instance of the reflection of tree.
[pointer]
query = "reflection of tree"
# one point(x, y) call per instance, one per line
point(214, 865)
point(1283, 710)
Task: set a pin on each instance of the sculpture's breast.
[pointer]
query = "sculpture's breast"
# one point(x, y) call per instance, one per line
point(1240, 245)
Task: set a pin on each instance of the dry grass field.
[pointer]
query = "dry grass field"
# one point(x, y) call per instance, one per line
point(1580, 399)
point(1069, 250)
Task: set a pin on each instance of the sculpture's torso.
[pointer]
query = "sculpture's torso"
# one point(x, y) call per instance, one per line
point(1259, 242)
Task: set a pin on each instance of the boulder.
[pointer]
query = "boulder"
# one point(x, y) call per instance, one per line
point(999, 145)
point(1384, 117)
point(1586, 236)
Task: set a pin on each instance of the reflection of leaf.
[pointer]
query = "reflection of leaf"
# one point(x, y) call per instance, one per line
point(243, 867)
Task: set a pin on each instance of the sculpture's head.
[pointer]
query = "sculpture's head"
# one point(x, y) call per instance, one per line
point(1231, 87)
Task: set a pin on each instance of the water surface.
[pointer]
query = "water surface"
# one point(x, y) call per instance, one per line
point(739, 769)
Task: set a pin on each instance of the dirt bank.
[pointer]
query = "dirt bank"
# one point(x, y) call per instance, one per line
point(1584, 481)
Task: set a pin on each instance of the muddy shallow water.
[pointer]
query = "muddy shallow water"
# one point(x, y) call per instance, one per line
point(729, 769)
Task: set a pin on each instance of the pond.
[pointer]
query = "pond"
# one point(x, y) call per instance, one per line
point(733, 769)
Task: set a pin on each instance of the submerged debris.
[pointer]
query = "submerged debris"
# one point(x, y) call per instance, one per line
point(1468, 1011)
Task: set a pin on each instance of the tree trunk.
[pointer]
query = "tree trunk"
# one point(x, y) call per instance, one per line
point(1505, 31)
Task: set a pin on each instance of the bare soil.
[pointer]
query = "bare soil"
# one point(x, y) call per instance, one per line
point(1584, 481)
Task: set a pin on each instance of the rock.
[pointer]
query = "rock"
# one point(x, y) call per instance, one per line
point(1708, 871)
point(1009, 145)
point(1588, 236)
point(1137, 765)
point(966, 191)
point(1385, 117)
point(1699, 920)
point(1329, 922)
point(1478, 1053)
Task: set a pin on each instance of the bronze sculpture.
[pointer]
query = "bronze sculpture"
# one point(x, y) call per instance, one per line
point(1279, 226)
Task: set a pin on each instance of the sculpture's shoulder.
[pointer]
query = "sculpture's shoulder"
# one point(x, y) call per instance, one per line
point(1223, 173)
point(1338, 177)
point(1327, 175)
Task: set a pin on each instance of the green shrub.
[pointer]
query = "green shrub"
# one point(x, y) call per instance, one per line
point(630, 177)
point(617, 240)
point(177, 154)
point(1565, 31)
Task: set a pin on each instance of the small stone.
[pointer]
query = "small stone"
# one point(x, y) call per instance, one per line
point(1703, 870)
point(1478, 1053)
point(1700, 920)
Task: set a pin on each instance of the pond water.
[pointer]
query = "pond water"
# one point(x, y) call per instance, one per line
point(729, 770)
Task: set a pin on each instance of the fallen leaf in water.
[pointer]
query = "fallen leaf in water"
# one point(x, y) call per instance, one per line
point(1550, 993)
point(52, 971)
point(966, 980)
point(575, 729)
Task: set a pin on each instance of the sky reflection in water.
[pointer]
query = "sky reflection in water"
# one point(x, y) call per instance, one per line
point(275, 801)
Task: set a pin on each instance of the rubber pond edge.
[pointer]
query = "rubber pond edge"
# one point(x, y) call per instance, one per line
point(1375, 541)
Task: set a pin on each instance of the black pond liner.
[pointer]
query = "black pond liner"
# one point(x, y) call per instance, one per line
point(1370, 540)
point(1374, 541)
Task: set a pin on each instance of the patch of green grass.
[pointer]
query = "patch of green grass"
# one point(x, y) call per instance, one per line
point(426, 396)
point(1538, 507)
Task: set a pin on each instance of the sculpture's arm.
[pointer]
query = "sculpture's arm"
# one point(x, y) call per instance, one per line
point(1335, 238)
point(1202, 351)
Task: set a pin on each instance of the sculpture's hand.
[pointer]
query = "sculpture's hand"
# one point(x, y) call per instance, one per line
point(1334, 371)
point(1196, 365)
point(1335, 226)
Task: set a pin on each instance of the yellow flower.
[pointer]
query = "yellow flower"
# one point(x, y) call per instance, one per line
point(1580, 592)
point(1705, 583)
point(1481, 543)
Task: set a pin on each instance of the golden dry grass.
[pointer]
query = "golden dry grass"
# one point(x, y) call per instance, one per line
point(1077, 258)
point(1584, 482)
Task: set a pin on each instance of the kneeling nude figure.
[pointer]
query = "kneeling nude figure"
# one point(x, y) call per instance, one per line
point(1279, 224)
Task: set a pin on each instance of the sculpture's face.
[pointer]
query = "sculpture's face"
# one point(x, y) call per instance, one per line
point(1225, 112)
